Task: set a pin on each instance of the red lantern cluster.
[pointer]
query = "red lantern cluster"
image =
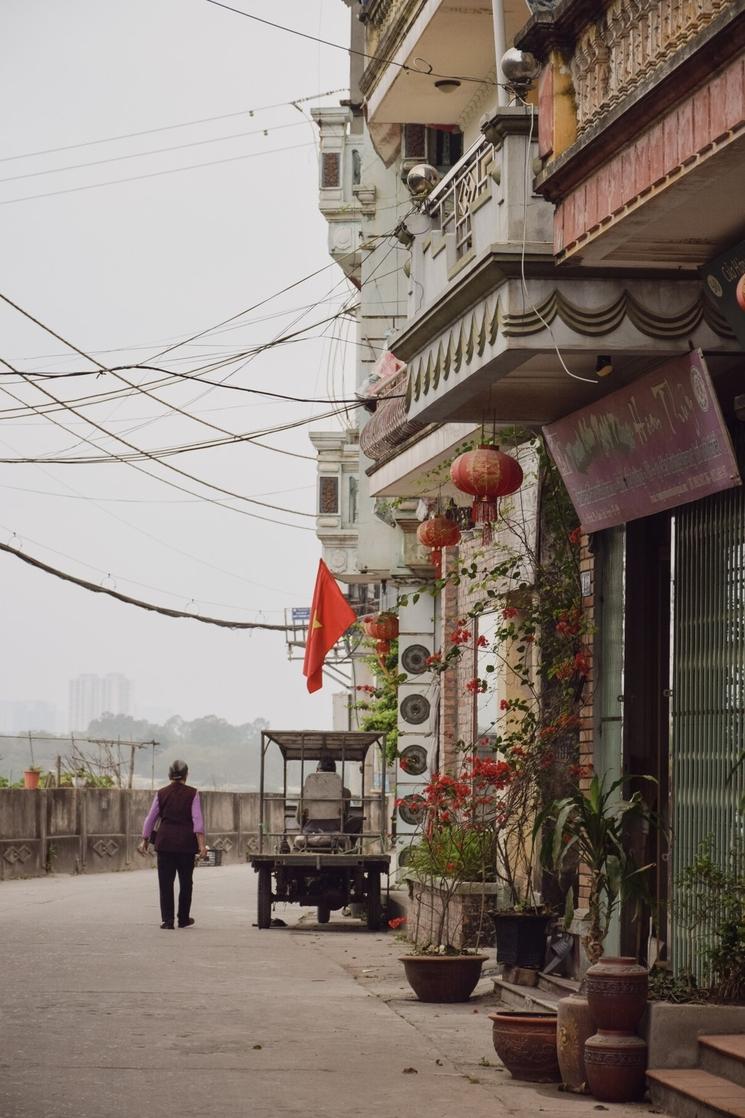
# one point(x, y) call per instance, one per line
point(381, 628)
point(436, 533)
point(486, 474)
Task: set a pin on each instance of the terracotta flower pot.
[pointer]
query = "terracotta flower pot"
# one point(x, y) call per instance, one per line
point(574, 1027)
point(443, 978)
point(526, 1045)
point(617, 988)
point(31, 778)
point(616, 1063)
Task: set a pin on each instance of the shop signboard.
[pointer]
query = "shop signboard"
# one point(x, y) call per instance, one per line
point(656, 444)
point(725, 285)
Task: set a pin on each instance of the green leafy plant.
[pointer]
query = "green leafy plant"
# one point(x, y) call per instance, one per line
point(589, 827)
point(379, 707)
point(710, 904)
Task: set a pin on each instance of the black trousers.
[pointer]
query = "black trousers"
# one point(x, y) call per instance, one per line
point(168, 866)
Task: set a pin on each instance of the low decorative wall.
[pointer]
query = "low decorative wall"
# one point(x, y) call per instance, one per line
point(469, 922)
point(94, 830)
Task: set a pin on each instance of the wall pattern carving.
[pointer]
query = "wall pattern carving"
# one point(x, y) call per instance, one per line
point(627, 43)
point(15, 854)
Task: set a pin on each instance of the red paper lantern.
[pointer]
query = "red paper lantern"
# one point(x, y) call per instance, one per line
point(487, 474)
point(381, 626)
point(436, 533)
point(740, 293)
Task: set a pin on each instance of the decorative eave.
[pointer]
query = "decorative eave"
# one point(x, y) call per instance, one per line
point(497, 265)
point(499, 359)
point(692, 65)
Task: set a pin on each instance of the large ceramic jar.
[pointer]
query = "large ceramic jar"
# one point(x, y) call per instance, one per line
point(574, 1027)
point(617, 992)
point(616, 1063)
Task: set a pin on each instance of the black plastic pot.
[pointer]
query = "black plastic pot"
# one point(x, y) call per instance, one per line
point(521, 938)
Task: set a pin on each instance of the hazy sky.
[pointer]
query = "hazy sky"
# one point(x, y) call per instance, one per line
point(131, 268)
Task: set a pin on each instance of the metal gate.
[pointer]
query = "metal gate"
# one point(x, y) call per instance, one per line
point(708, 683)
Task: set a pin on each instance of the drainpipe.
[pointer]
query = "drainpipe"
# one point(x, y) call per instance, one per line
point(500, 47)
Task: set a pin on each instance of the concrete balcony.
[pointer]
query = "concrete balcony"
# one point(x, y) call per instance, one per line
point(415, 45)
point(642, 129)
point(344, 198)
point(497, 333)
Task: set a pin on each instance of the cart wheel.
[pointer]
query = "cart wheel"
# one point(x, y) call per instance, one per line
point(264, 916)
point(323, 913)
point(374, 913)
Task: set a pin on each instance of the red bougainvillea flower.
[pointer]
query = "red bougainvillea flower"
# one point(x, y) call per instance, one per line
point(509, 612)
point(482, 642)
point(366, 688)
point(582, 772)
point(460, 636)
point(575, 536)
point(476, 686)
point(504, 704)
point(565, 670)
point(396, 922)
point(582, 663)
point(435, 658)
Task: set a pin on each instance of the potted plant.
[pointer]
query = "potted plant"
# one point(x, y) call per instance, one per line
point(588, 827)
point(455, 849)
point(32, 776)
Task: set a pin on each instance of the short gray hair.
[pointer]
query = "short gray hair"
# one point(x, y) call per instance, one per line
point(179, 770)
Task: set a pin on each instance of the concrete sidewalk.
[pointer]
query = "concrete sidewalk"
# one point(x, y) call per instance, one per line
point(106, 1016)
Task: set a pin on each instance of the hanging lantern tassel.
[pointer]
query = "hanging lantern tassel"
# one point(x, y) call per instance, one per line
point(436, 533)
point(486, 474)
point(382, 650)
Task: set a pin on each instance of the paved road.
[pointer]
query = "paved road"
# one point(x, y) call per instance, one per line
point(106, 1016)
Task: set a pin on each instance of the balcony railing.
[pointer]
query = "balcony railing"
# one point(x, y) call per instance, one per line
point(451, 204)
point(626, 44)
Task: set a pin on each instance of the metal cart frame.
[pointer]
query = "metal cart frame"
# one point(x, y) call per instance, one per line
point(324, 879)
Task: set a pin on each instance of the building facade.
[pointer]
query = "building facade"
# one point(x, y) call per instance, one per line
point(585, 242)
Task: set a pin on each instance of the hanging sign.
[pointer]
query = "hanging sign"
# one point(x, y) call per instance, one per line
point(659, 443)
point(725, 286)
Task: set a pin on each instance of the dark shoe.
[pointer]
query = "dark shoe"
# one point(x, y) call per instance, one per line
point(166, 926)
point(186, 923)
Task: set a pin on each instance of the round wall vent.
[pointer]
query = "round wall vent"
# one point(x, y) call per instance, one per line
point(404, 856)
point(413, 760)
point(415, 709)
point(414, 659)
point(410, 809)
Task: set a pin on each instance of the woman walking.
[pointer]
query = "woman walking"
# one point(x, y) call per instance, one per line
point(176, 818)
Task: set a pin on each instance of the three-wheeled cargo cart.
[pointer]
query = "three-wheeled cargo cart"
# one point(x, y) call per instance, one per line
point(328, 850)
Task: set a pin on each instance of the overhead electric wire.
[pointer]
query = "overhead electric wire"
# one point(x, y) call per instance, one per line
point(164, 481)
point(170, 127)
point(111, 593)
point(351, 50)
point(153, 174)
point(132, 447)
point(155, 151)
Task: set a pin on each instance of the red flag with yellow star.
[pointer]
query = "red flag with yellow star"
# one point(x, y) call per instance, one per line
point(330, 617)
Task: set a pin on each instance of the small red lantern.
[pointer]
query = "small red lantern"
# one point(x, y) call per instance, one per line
point(381, 626)
point(740, 292)
point(487, 474)
point(436, 533)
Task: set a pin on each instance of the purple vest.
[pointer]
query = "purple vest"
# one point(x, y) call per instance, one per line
point(175, 835)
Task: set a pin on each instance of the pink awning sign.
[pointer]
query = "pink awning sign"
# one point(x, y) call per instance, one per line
point(659, 443)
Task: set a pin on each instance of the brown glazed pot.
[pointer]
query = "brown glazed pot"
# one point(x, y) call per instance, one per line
point(526, 1045)
point(443, 978)
point(616, 1063)
point(574, 1027)
point(617, 989)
